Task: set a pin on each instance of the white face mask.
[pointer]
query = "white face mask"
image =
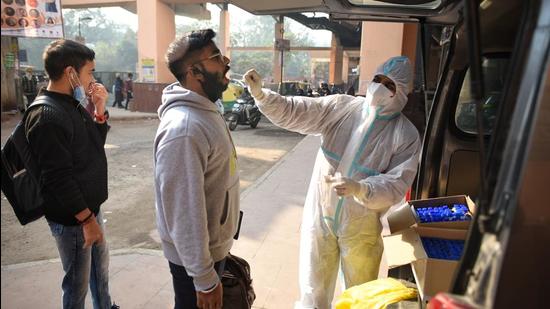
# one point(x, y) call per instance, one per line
point(80, 95)
point(381, 95)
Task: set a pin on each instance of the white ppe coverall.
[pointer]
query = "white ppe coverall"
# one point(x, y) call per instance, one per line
point(367, 140)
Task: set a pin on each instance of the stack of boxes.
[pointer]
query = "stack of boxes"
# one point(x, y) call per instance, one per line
point(443, 249)
point(430, 235)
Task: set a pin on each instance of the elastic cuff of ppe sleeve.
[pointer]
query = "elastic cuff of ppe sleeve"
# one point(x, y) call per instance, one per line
point(259, 96)
point(366, 190)
point(364, 193)
point(206, 282)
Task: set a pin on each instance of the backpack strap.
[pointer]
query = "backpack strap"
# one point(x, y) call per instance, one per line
point(41, 101)
point(44, 100)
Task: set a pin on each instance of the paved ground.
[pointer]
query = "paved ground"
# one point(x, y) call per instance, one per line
point(140, 278)
point(129, 210)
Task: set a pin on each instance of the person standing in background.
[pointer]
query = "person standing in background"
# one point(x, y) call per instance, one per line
point(129, 89)
point(29, 83)
point(118, 88)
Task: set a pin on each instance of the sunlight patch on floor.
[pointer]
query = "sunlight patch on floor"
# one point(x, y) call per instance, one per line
point(265, 154)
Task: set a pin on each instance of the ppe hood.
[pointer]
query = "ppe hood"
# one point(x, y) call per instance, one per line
point(399, 70)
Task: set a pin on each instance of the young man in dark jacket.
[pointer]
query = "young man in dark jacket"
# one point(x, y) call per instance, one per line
point(67, 143)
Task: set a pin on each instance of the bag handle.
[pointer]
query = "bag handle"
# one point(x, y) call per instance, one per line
point(221, 267)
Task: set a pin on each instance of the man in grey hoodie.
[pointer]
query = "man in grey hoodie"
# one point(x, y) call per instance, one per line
point(196, 175)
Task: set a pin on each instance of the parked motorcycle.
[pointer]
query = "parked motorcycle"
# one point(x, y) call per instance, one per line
point(244, 112)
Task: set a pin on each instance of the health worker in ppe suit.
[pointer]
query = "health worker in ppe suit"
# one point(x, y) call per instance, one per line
point(367, 161)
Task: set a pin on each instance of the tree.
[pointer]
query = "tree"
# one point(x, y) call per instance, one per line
point(117, 56)
point(258, 31)
point(296, 65)
point(254, 31)
point(320, 71)
point(115, 45)
point(182, 28)
point(262, 61)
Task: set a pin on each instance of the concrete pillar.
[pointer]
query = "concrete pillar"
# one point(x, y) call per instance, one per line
point(156, 30)
point(223, 35)
point(379, 41)
point(278, 54)
point(345, 68)
point(312, 63)
point(410, 38)
point(336, 56)
point(10, 80)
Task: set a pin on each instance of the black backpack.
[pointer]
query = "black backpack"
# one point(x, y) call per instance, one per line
point(20, 172)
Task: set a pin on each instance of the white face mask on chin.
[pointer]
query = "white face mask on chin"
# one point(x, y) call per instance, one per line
point(381, 95)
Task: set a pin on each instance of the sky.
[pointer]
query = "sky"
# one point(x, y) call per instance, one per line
point(121, 16)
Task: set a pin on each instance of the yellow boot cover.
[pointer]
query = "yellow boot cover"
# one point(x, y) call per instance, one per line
point(375, 294)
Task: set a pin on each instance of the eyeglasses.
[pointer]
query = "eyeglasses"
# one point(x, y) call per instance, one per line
point(217, 55)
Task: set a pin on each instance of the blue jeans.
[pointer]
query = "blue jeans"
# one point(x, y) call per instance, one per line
point(82, 266)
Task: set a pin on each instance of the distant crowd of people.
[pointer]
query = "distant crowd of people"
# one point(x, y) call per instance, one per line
point(324, 90)
point(122, 89)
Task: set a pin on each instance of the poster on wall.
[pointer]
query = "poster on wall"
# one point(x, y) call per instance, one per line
point(32, 18)
point(148, 70)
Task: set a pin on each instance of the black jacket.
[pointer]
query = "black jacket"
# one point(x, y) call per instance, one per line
point(69, 148)
point(29, 85)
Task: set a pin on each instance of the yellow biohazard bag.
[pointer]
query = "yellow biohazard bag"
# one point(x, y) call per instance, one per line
point(375, 294)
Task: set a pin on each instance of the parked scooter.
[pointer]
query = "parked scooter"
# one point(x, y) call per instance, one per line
point(244, 112)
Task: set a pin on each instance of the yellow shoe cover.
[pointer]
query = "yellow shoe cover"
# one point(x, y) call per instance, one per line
point(375, 294)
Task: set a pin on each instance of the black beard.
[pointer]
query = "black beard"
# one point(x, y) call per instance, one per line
point(213, 85)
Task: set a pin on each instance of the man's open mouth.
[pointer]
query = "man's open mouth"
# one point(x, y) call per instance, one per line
point(226, 75)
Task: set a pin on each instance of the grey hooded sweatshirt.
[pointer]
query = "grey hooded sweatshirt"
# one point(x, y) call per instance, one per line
point(196, 184)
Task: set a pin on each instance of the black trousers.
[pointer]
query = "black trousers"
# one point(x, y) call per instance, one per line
point(184, 290)
point(128, 97)
point(30, 99)
point(118, 99)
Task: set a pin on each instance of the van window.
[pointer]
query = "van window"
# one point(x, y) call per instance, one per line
point(430, 5)
point(494, 74)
